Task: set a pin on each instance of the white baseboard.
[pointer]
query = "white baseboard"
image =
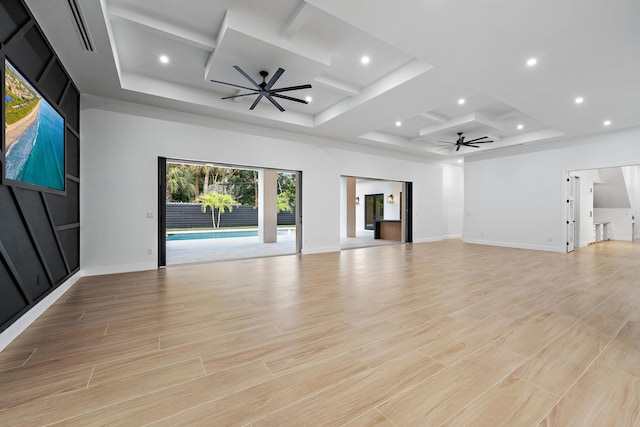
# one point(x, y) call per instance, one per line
point(427, 239)
point(116, 269)
point(452, 236)
point(516, 245)
point(17, 327)
point(321, 250)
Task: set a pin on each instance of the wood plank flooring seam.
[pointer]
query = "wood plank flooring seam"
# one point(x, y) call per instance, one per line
point(90, 376)
point(380, 414)
point(311, 396)
point(478, 397)
point(535, 385)
point(132, 397)
point(30, 356)
point(575, 381)
point(204, 371)
point(274, 377)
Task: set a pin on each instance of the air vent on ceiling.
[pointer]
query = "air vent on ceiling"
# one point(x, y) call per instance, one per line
point(80, 25)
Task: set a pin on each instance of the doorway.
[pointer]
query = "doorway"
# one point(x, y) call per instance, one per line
point(367, 202)
point(373, 210)
point(214, 212)
point(604, 203)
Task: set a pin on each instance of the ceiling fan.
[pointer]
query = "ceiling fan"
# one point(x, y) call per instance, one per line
point(264, 89)
point(461, 142)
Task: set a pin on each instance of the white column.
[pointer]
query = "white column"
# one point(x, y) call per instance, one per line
point(351, 207)
point(268, 205)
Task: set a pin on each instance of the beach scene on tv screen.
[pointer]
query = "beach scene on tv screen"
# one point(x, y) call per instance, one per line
point(34, 135)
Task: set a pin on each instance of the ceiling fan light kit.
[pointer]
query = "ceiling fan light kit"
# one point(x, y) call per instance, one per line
point(265, 89)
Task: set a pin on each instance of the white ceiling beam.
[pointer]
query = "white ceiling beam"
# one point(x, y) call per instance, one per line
point(389, 82)
point(337, 85)
point(112, 42)
point(461, 120)
point(510, 114)
point(159, 27)
point(435, 117)
point(234, 22)
point(296, 20)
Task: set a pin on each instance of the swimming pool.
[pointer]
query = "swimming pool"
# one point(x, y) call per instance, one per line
point(220, 234)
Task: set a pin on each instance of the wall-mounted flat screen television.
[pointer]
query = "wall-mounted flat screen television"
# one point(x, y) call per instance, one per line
point(33, 136)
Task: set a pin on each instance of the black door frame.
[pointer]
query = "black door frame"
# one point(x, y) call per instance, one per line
point(408, 212)
point(162, 212)
point(377, 196)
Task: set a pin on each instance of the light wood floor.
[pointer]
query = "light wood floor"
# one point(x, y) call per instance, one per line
point(424, 334)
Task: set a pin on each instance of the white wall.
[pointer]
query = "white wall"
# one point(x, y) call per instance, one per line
point(453, 200)
point(517, 197)
point(121, 143)
point(391, 210)
point(343, 206)
point(619, 219)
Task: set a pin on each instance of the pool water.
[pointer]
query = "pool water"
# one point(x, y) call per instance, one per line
point(220, 234)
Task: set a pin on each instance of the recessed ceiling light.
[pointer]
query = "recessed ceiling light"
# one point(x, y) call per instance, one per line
point(531, 62)
point(461, 101)
point(308, 99)
point(398, 123)
point(579, 100)
point(607, 123)
point(459, 160)
point(164, 59)
point(365, 59)
point(520, 127)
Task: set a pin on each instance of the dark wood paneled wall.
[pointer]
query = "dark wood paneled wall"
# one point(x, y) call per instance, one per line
point(39, 230)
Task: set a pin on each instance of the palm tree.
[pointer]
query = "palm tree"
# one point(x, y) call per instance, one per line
point(179, 180)
point(283, 203)
point(218, 201)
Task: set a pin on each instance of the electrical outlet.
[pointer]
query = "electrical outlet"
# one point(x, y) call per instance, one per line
point(150, 251)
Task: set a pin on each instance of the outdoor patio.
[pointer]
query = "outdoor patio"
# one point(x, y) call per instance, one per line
point(229, 248)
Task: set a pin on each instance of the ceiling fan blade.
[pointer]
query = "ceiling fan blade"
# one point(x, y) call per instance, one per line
point(247, 76)
point(289, 98)
point(258, 98)
point(274, 78)
point(479, 142)
point(458, 147)
point(231, 84)
point(469, 145)
point(273, 101)
point(236, 96)
point(286, 89)
point(448, 142)
point(477, 139)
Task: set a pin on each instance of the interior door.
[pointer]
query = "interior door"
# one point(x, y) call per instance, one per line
point(373, 209)
point(571, 213)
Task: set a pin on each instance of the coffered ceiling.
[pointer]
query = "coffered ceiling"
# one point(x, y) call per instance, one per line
point(425, 56)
